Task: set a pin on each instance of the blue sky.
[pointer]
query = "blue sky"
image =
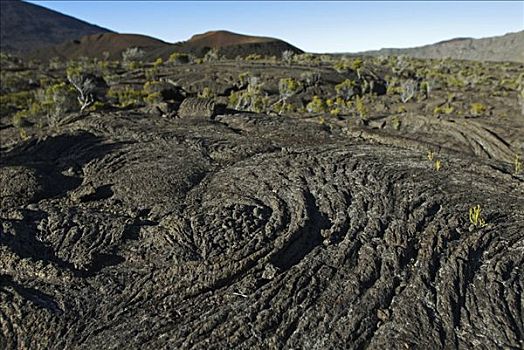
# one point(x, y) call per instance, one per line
point(313, 26)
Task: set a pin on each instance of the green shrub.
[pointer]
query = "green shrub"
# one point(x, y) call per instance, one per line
point(361, 107)
point(310, 78)
point(52, 102)
point(151, 73)
point(357, 65)
point(251, 99)
point(158, 62)
point(128, 97)
point(211, 56)
point(409, 89)
point(288, 87)
point(517, 165)
point(16, 100)
point(346, 89)
point(179, 58)
point(317, 105)
point(206, 93)
point(287, 56)
point(306, 58)
point(342, 66)
point(254, 57)
point(477, 108)
point(132, 57)
point(475, 217)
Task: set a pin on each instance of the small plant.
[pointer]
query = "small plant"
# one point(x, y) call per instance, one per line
point(287, 56)
point(517, 165)
point(206, 93)
point(455, 82)
point(128, 97)
point(252, 99)
point(446, 109)
point(335, 112)
point(438, 164)
point(342, 66)
point(402, 64)
point(211, 56)
point(243, 80)
point(151, 73)
point(425, 88)
point(361, 107)
point(401, 109)
point(409, 89)
point(392, 86)
point(23, 134)
point(477, 109)
point(132, 57)
point(431, 155)
point(521, 99)
point(179, 58)
point(55, 101)
point(158, 62)
point(396, 123)
point(475, 217)
point(254, 57)
point(86, 87)
point(306, 58)
point(317, 105)
point(287, 87)
point(346, 89)
point(310, 78)
point(356, 65)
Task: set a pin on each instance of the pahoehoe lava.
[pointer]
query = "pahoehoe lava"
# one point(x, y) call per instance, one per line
point(248, 232)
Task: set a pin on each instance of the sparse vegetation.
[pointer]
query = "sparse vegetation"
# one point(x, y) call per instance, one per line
point(409, 89)
point(317, 105)
point(346, 89)
point(127, 96)
point(281, 176)
point(252, 99)
point(477, 109)
point(517, 165)
point(361, 107)
point(438, 164)
point(132, 57)
point(287, 87)
point(476, 218)
point(90, 88)
point(179, 58)
point(287, 56)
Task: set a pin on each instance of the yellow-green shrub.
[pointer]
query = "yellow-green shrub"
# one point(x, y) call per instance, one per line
point(317, 105)
point(128, 97)
point(477, 108)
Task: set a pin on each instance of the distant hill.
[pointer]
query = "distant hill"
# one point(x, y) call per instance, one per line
point(222, 38)
point(232, 44)
point(40, 33)
point(24, 26)
point(228, 44)
point(95, 46)
point(509, 47)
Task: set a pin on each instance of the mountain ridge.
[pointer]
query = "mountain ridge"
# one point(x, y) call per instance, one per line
point(507, 47)
point(25, 26)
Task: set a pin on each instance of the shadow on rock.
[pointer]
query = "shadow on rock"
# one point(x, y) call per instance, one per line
point(49, 167)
